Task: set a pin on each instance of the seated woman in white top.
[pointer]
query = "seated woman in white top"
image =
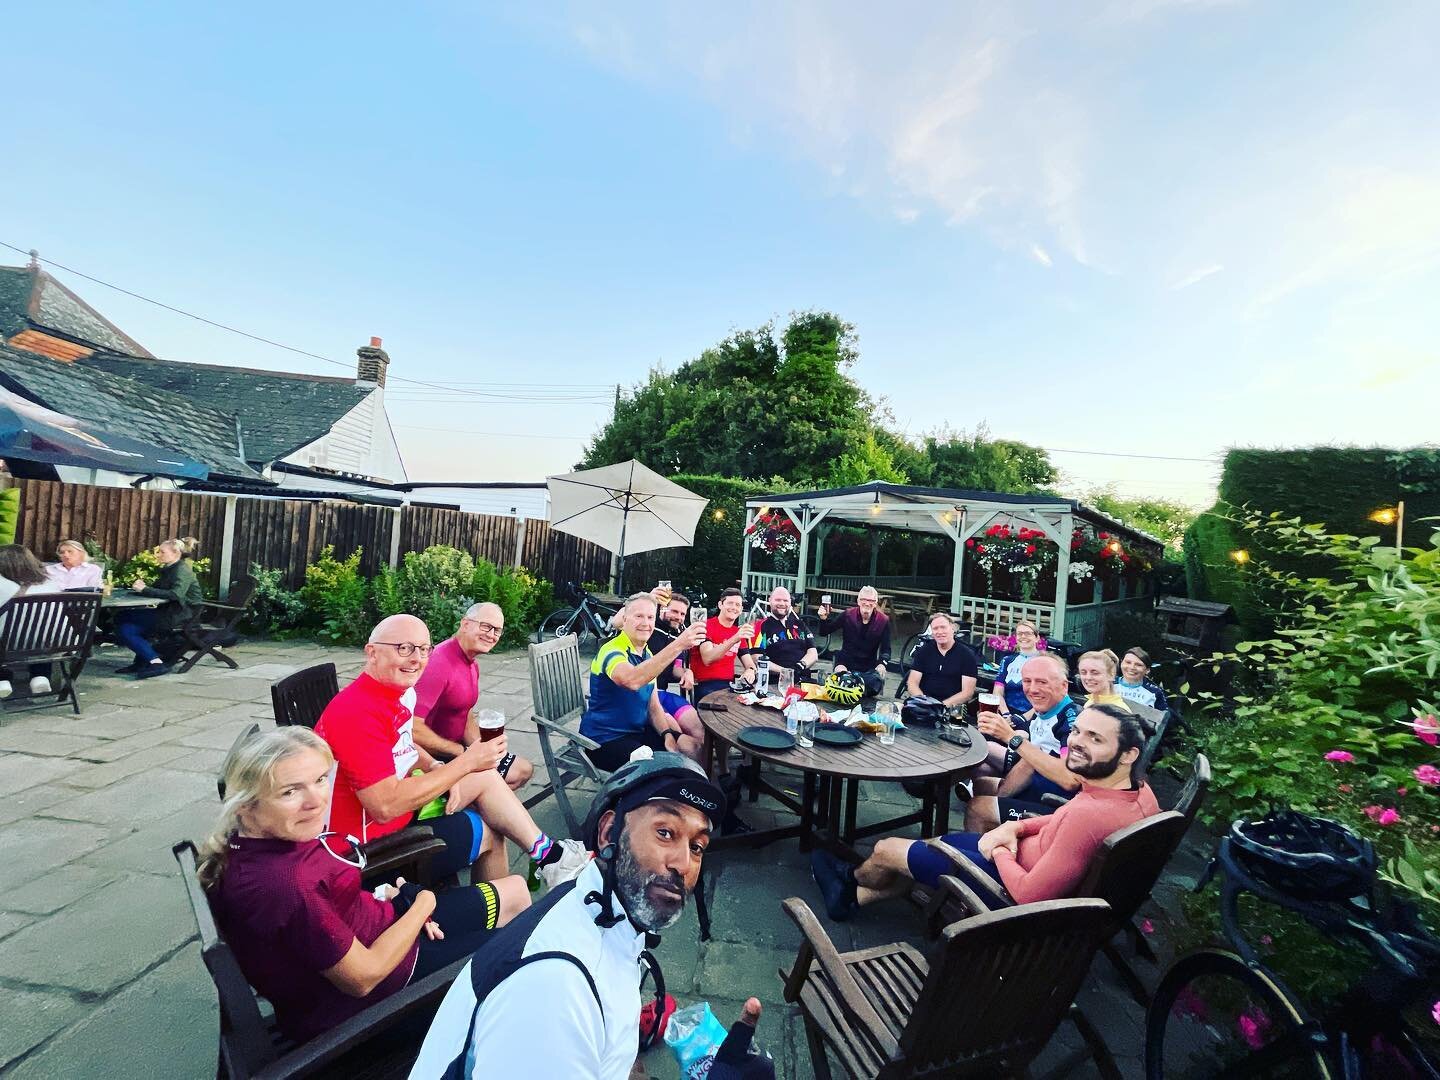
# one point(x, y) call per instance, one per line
point(18, 567)
point(74, 570)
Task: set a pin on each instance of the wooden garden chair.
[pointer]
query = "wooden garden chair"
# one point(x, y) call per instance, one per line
point(47, 628)
point(1122, 873)
point(301, 698)
point(985, 1006)
point(559, 701)
point(213, 627)
point(251, 1044)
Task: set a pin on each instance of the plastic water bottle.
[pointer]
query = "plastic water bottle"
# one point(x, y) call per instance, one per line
point(762, 676)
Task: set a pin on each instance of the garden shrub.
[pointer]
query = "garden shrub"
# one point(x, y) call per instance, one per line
point(435, 586)
point(146, 564)
point(336, 599)
point(1335, 713)
point(524, 598)
point(274, 609)
point(385, 594)
point(9, 514)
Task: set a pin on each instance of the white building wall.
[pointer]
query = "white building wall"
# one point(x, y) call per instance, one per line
point(361, 442)
point(525, 502)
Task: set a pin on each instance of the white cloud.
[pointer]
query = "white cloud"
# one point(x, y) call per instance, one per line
point(1041, 255)
point(1197, 275)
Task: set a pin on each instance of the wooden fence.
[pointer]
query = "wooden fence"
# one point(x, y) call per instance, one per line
point(288, 534)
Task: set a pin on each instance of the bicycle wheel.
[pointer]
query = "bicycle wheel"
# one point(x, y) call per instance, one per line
point(558, 624)
point(1213, 1016)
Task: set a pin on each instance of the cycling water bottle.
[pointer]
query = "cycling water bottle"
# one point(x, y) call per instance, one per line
point(762, 676)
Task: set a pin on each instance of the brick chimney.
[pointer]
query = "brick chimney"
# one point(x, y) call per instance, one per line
point(373, 362)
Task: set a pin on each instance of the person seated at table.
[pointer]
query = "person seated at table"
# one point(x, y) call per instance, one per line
point(1134, 683)
point(943, 668)
point(140, 628)
point(624, 711)
point(1042, 858)
point(25, 577)
point(382, 779)
point(713, 660)
point(287, 895)
point(74, 570)
point(864, 639)
point(1008, 681)
point(670, 621)
point(450, 686)
point(783, 639)
point(1096, 672)
point(1021, 786)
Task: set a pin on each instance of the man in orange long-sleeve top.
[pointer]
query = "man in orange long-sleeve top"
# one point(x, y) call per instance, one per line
point(1036, 858)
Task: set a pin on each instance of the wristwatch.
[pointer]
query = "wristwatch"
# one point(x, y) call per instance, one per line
point(1016, 740)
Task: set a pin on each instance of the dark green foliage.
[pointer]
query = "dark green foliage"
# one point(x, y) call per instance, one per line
point(274, 609)
point(9, 514)
point(336, 599)
point(1161, 518)
point(974, 461)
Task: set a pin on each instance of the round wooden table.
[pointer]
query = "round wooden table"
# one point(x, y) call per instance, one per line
point(832, 775)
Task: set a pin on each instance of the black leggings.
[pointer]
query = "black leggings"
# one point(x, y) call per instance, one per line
point(468, 916)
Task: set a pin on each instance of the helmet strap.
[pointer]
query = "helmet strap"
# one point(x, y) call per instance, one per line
point(607, 898)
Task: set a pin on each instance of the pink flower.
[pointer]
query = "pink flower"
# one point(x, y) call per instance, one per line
point(1401, 790)
point(1266, 939)
point(1435, 1012)
point(1147, 927)
point(1254, 1027)
point(1428, 775)
point(1346, 788)
point(1342, 756)
point(1388, 816)
point(1373, 812)
point(1428, 729)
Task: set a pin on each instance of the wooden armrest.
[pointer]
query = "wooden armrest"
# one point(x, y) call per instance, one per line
point(817, 948)
point(568, 733)
point(406, 854)
point(974, 878)
point(967, 897)
point(363, 1027)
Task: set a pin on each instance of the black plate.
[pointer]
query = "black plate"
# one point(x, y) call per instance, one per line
point(762, 737)
point(837, 735)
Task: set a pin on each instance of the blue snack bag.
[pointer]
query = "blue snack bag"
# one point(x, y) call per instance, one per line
point(694, 1035)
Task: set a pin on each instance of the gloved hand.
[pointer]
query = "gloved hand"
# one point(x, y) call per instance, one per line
point(733, 1061)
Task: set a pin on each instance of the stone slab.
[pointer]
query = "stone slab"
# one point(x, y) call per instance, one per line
point(115, 749)
point(27, 804)
point(10, 921)
point(106, 722)
point(21, 771)
point(138, 799)
point(18, 738)
point(233, 689)
point(164, 1025)
point(33, 847)
point(49, 893)
point(29, 1017)
point(99, 776)
point(136, 919)
point(220, 736)
point(146, 850)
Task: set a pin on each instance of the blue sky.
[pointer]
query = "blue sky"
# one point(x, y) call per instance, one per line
point(1148, 226)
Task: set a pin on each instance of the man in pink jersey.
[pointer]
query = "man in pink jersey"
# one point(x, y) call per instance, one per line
point(449, 686)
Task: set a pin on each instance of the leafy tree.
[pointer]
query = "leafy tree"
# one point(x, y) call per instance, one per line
point(961, 459)
point(867, 459)
point(1161, 518)
point(751, 406)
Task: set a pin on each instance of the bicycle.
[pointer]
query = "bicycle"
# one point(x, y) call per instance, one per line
point(1222, 1012)
point(586, 618)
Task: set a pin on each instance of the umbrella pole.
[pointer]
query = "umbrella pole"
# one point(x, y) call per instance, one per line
point(620, 580)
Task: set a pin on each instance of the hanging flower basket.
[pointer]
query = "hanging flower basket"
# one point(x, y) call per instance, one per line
point(773, 533)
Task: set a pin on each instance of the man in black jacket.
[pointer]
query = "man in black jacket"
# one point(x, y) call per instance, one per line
point(865, 639)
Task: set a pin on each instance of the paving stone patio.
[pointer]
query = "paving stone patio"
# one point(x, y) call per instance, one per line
point(98, 961)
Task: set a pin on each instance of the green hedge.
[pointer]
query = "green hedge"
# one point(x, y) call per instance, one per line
point(1332, 486)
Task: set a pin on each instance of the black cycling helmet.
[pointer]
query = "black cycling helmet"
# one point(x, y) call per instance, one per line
point(664, 775)
point(1305, 857)
point(922, 711)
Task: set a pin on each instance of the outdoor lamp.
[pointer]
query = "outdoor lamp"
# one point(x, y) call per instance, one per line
point(1241, 556)
point(1392, 515)
point(719, 514)
point(1385, 515)
point(1113, 547)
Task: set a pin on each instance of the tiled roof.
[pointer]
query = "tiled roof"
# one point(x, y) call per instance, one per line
point(279, 412)
point(32, 298)
point(127, 407)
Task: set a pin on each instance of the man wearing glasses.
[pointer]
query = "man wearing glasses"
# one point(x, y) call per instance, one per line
point(449, 687)
point(382, 778)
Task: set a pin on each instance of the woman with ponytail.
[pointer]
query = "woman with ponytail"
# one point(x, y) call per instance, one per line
point(288, 898)
point(176, 584)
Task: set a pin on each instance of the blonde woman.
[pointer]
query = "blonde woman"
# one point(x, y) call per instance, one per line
point(74, 570)
point(288, 898)
point(139, 628)
point(1096, 672)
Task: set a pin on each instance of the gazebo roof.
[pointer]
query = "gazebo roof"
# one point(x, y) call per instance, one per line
point(902, 506)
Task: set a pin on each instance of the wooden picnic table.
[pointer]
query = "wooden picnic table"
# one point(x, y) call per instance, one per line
point(831, 776)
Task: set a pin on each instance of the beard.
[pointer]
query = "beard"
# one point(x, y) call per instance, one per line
point(633, 883)
point(1090, 768)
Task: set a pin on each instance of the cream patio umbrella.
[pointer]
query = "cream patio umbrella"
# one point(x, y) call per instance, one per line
point(625, 508)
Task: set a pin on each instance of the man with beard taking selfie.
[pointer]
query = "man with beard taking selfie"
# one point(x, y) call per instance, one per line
point(557, 992)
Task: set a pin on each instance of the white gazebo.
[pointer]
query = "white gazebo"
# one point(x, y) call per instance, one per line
point(959, 515)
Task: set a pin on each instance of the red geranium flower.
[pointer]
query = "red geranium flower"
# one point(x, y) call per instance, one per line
point(1104, 536)
point(979, 547)
point(1029, 549)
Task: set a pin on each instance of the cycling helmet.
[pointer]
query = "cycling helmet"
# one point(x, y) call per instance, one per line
point(922, 711)
point(845, 688)
point(1304, 857)
point(665, 775)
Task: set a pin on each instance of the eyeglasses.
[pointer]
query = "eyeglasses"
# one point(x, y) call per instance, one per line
point(404, 648)
point(489, 628)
